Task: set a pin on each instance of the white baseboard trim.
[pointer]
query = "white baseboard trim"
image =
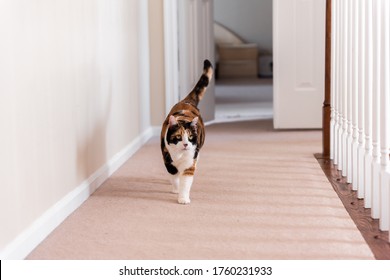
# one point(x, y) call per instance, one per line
point(156, 130)
point(25, 242)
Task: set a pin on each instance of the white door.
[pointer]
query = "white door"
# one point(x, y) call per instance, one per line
point(299, 63)
point(196, 43)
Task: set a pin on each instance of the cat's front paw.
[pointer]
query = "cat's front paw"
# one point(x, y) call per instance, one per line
point(184, 200)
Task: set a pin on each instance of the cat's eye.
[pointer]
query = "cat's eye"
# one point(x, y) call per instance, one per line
point(190, 137)
point(178, 137)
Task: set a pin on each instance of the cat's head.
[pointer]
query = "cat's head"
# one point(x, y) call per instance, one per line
point(182, 135)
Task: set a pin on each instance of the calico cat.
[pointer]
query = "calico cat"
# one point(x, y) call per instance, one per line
point(182, 136)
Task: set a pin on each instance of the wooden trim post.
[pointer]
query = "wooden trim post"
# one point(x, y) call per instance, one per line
point(326, 105)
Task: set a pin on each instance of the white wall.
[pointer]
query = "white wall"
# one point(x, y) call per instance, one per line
point(70, 95)
point(250, 19)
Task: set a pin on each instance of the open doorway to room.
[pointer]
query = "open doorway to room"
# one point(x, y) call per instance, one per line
point(243, 45)
point(297, 29)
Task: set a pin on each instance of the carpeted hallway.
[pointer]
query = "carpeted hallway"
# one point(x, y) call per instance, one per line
point(257, 194)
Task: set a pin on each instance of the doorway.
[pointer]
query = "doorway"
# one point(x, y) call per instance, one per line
point(243, 46)
point(298, 53)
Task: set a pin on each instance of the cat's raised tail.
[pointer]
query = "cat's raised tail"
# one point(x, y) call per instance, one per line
point(200, 88)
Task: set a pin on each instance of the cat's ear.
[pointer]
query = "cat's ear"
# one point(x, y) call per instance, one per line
point(172, 121)
point(194, 122)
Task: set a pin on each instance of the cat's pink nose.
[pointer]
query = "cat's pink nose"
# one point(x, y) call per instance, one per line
point(185, 145)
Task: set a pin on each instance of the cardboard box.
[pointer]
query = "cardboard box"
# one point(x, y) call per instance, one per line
point(237, 52)
point(238, 68)
point(238, 60)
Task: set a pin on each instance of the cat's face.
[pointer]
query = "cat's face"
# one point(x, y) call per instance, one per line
point(182, 136)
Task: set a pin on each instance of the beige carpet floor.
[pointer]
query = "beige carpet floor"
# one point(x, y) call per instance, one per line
point(257, 194)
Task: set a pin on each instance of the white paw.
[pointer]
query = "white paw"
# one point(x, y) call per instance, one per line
point(183, 200)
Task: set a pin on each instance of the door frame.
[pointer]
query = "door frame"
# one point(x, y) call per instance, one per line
point(326, 109)
point(171, 55)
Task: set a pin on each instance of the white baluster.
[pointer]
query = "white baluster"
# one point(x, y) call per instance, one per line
point(333, 83)
point(340, 91)
point(367, 106)
point(354, 92)
point(361, 87)
point(344, 91)
point(338, 155)
point(385, 117)
point(349, 91)
point(376, 108)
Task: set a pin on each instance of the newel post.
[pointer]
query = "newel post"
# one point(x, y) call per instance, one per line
point(326, 105)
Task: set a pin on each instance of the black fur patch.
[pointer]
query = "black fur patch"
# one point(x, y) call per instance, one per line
point(171, 169)
point(194, 139)
point(202, 83)
point(207, 64)
point(196, 153)
point(167, 159)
